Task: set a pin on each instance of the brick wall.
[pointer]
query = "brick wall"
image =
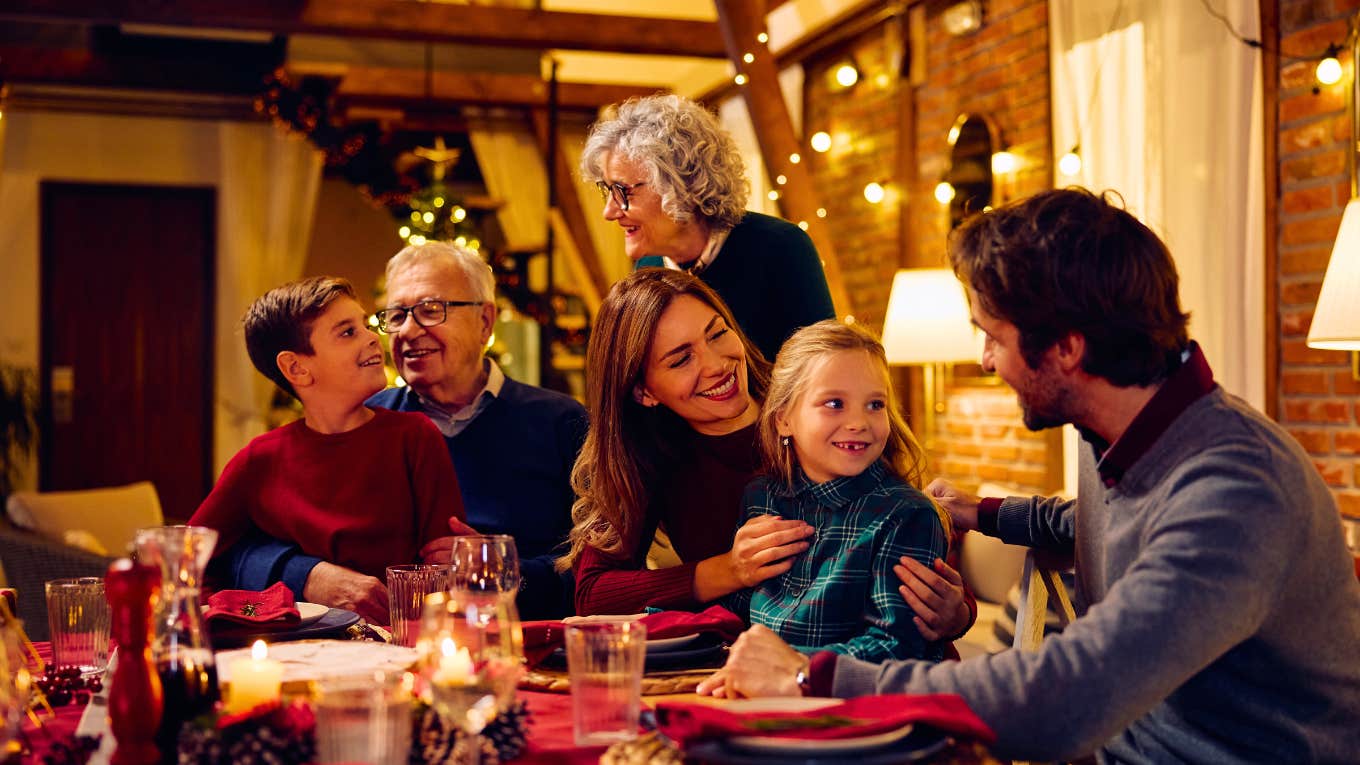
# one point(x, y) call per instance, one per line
point(1318, 400)
point(1001, 71)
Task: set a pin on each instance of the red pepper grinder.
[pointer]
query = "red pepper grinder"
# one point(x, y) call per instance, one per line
point(135, 690)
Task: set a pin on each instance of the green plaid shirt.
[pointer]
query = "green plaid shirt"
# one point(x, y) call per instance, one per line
point(841, 594)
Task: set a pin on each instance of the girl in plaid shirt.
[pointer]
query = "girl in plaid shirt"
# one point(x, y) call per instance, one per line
point(839, 456)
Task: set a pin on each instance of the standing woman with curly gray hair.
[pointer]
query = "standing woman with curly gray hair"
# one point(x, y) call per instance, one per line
point(673, 180)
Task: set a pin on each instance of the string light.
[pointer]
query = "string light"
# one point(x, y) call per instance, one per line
point(847, 75)
point(749, 57)
point(773, 195)
point(874, 193)
point(795, 158)
point(803, 225)
point(821, 141)
point(1328, 70)
point(781, 179)
point(762, 38)
point(821, 212)
point(404, 232)
point(1004, 162)
point(944, 192)
point(459, 214)
point(739, 79)
point(1070, 164)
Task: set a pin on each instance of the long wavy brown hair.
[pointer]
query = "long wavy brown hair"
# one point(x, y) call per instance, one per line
point(629, 445)
point(793, 369)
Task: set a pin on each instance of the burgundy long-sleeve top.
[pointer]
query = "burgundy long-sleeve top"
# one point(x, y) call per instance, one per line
point(363, 499)
point(698, 503)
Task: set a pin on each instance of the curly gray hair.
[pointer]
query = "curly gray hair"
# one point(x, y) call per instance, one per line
point(692, 162)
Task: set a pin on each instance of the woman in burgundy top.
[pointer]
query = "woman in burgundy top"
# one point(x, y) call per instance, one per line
point(674, 389)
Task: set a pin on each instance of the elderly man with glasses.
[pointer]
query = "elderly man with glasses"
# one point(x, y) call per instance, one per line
point(513, 445)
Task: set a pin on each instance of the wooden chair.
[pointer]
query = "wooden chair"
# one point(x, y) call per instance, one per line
point(1040, 582)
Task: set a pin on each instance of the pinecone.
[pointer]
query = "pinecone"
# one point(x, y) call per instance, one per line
point(509, 731)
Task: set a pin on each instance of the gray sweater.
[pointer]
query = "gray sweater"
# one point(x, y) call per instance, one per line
point(1218, 611)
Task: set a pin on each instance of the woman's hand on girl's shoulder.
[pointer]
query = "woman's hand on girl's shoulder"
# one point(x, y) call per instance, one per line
point(764, 547)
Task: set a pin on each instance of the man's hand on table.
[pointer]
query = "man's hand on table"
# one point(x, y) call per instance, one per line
point(441, 550)
point(936, 596)
point(760, 664)
point(340, 587)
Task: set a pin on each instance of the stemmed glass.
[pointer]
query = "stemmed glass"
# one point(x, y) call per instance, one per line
point(485, 562)
point(470, 660)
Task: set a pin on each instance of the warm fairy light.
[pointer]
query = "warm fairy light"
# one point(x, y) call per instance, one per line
point(821, 212)
point(461, 241)
point(415, 216)
point(781, 179)
point(417, 239)
point(749, 57)
point(1070, 164)
point(459, 214)
point(739, 79)
point(474, 244)
point(1328, 70)
point(762, 38)
point(795, 158)
point(438, 201)
point(773, 195)
point(428, 217)
point(846, 75)
point(821, 141)
point(404, 232)
point(1004, 162)
point(944, 192)
point(874, 192)
point(803, 225)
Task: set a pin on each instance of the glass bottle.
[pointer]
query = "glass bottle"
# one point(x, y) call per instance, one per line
point(180, 649)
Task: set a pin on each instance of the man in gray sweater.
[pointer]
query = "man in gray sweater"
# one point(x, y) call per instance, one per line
point(1218, 609)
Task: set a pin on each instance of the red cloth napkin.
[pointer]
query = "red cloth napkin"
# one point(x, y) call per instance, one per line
point(544, 637)
point(274, 604)
point(864, 716)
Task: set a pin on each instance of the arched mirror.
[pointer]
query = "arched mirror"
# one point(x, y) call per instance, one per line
point(972, 140)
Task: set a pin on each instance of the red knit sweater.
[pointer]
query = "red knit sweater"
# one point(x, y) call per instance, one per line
point(364, 499)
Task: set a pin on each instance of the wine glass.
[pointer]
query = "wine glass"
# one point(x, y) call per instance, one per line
point(485, 562)
point(470, 660)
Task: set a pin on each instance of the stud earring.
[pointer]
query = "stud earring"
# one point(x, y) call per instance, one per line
point(786, 441)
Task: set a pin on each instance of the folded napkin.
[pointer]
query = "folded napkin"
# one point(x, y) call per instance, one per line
point(274, 605)
point(542, 638)
point(865, 716)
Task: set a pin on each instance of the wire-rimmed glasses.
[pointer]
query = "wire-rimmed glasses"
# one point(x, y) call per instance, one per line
point(621, 192)
point(427, 313)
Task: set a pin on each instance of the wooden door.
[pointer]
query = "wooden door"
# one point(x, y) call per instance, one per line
point(127, 334)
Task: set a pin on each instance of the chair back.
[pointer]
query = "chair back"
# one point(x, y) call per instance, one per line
point(100, 521)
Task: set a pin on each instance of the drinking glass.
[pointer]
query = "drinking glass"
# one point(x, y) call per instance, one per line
point(470, 656)
point(78, 620)
point(363, 719)
point(486, 562)
point(407, 586)
point(605, 661)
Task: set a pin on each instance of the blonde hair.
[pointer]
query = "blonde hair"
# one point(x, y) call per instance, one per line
point(692, 162)
point(628, 445)
point(802, 353)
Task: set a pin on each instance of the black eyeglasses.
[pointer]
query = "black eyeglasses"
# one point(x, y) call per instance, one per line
point(427, 313)
point(619, 191)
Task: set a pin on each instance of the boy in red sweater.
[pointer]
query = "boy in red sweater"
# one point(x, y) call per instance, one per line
point(360, 488)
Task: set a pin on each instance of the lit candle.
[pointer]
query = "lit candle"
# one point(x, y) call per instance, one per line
point(455, 665)
point(254, 681)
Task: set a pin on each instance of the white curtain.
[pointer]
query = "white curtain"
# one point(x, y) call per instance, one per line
point(1167, 108)
point(267, 190)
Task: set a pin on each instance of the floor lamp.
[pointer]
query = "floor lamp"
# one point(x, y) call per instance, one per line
point(928, 324)
point(1336, 320)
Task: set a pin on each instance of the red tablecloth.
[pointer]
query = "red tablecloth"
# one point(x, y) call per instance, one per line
point(550, 737)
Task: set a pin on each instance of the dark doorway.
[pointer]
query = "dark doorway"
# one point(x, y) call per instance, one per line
point(127, 339)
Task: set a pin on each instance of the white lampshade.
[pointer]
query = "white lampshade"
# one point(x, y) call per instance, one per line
point(928, 319)
point(1336, 321)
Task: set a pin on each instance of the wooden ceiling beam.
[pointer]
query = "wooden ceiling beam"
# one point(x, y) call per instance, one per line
point(568, 187)
point(396, 20)
point(381, 86)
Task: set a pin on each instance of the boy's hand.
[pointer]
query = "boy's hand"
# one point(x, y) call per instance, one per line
point(340, 587)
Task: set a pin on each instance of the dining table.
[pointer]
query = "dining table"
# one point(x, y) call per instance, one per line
point(550, 737)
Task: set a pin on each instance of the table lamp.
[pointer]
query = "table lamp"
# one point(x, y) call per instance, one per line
point(928, 323)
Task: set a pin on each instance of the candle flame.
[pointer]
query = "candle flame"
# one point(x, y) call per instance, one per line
point(258, 650)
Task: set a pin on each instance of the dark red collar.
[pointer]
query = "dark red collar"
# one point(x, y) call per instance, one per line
point(1193, 380)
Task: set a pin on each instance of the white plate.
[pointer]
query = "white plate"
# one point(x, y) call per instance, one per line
point(309, 612)
point(305, 660)
point(776, 744)
point(666, 645)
